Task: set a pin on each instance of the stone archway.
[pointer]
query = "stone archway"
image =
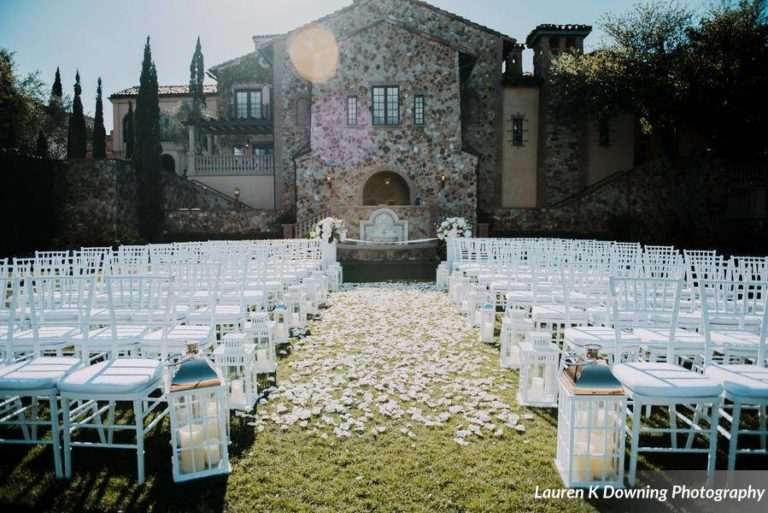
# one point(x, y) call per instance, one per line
point(386, 188)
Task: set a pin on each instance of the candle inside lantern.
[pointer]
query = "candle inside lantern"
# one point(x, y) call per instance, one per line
point(192, 451)
point(588, 466)
point(280, 331)
point(261, 355)
point(212, 452)
point(212, 421)
point(237, 392)
point(536, 393)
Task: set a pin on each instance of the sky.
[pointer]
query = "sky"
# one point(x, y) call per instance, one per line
point(106, 37)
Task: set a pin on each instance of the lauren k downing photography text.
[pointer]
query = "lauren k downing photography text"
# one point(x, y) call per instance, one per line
point(677, 492)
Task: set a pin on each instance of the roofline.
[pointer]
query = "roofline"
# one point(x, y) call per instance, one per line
point(166, 95)
point(548, 29)
point(412, 30)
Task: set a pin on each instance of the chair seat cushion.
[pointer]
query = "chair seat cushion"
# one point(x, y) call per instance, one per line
point(660, 337)
point(36, 374)
point(557, 313)
point(190, 332)
point(600, 335)
point(125, 375)
point(661, 379)
point(49, 334)
point(742, 380)
point(738, 339)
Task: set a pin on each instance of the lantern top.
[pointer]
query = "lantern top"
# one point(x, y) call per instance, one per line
point(591, 379)
point(195, 373)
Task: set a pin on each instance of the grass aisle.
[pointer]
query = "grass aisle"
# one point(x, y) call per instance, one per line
point(391, 404)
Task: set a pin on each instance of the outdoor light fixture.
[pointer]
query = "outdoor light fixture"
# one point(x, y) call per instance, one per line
point(443, 179)
point(329, 180)
point(539, 359)
point(236, 193)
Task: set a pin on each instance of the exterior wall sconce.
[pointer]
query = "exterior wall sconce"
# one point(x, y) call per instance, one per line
point(329, 180)
point(236, 193)
point(443, 179)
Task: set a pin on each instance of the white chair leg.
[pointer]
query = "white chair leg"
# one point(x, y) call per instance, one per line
point(761, 411)
point(138, 412)
point(55, 436)
point(734, 442)
point(714, 420)
point(34, 412)
point(673, 425)
point(67, 438)
point(111, 422)
point(634, 444)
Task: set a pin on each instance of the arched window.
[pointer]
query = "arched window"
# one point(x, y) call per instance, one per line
point(386, 188)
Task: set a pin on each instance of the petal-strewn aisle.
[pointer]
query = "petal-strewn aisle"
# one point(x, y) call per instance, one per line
point(392, 404)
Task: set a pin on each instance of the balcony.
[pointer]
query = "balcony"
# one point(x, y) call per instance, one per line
point(231, 165)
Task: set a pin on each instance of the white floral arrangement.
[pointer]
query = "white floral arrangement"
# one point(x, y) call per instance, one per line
point(453, 227)
point(329, 229)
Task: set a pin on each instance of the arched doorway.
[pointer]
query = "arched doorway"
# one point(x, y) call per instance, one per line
point(168, 162)
point(386, 188)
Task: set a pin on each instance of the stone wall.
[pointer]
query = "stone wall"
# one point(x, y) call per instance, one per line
point(638, 205)
point(96, 201)
point(483, 85)
point(216, 223)
point(381, 54)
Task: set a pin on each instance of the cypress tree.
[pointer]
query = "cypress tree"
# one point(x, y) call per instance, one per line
point(56, 90)
point(196, 77)
point(128, 135)
point(148, 151)
point(76, 140)
point(99, 132)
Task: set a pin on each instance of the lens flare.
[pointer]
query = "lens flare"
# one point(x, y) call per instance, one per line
point(314, 53)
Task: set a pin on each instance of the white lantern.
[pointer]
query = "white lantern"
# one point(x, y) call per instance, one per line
point(487, 322)
point(335, 276)
point(261, 331)
point(476, 298)
point(199, 418)
point(235, 357)
point(515, 326)
point(322, 286)
point(539, 359)
point(590, 429)
point(456, 284)
point(294, 303)
point(311, 296)
point(441, 276)
point(282, 328)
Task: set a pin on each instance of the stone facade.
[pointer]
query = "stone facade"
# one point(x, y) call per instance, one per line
point(96, 201)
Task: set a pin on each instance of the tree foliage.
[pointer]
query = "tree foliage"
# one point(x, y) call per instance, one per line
point(55, 126)
point(76, 140)
point(22, 109)
point(147, 151)
point(99, 132)
point(196, 78)
point(673, 71)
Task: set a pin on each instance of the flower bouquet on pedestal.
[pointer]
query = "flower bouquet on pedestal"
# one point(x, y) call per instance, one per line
point(451, 228)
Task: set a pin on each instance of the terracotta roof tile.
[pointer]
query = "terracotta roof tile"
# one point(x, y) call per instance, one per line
point(170, 90)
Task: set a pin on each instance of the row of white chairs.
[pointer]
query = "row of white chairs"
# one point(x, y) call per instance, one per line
point(683, 329)
point(81, 339)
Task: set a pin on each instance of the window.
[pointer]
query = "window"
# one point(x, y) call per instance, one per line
point(418, 109)
point(165, 125)
point(517, 131)
point(248, 104)
point(604, 131)
point(386, 105)
point(263, 150)
point(351, 110)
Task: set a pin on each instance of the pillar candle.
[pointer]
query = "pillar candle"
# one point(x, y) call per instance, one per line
point(192, 451)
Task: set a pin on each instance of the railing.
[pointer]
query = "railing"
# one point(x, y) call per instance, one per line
point(223, 165)
point(302, 229)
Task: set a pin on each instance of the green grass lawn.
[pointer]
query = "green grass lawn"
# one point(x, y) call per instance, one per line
point(404, 465)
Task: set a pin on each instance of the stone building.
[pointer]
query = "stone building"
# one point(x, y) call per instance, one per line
point(398, 105)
